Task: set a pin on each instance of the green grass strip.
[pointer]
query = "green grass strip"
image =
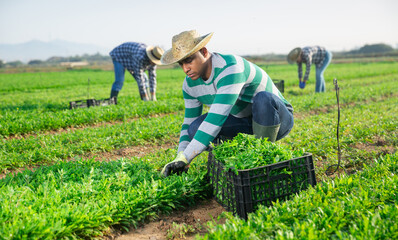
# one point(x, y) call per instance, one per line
point(44, 149)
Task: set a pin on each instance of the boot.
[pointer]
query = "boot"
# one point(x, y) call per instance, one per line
point(144, 96)
point(269, 132)
point(114, 93)
point(153, 96)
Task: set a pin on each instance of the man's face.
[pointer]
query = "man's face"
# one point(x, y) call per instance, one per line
point(193, 66)
point(299, 59)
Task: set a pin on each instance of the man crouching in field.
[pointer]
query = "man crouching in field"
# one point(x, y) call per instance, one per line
point(241, 96)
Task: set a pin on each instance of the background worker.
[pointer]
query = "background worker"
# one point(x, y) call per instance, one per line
point(136, 58)
point(241, 96)
point(308, 55)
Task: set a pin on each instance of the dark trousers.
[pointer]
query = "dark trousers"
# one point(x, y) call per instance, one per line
point(267, 109)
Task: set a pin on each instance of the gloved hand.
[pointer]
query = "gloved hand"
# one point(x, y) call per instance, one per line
point(176, 166)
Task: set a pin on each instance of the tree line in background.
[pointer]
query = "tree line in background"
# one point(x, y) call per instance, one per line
point(96, 59)
point(367, 51)
point(371, 50)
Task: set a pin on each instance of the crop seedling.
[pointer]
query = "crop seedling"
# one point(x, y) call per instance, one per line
point(178, 231)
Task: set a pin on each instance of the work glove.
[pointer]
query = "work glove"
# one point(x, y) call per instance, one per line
point(176, 166)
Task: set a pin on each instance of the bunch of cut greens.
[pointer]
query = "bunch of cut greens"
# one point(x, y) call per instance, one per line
point(246, 152)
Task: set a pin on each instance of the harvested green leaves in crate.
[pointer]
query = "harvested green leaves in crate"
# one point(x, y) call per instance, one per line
point(246, 151)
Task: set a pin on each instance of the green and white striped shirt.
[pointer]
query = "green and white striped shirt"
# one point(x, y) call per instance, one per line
point(233, 83)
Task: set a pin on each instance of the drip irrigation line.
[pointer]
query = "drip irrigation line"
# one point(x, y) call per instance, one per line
point(329, 170)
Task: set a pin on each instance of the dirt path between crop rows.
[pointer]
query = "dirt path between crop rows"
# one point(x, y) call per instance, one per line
point(194, 218)
point(181, 224)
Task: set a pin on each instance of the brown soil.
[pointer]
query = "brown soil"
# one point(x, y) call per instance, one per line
point(378, 145)
point(195, 217)
point(129, 152)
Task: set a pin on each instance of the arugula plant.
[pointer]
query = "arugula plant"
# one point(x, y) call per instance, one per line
point(359, 206)
point(246, 151)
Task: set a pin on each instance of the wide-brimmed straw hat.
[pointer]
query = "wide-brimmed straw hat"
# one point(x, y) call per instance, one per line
point(184, 45)
point(154, 54)
point(293, 55)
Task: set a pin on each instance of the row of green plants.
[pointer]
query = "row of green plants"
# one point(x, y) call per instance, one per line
point(351, 91)
point(85, 199)
point(39, 120)
point(78, 79)
point(360, 131)
point(41, 100)
point(342, 71)
point(315, 133)
point(365, 124)
point(360, 206)
point(49, 148)
point(40, 106)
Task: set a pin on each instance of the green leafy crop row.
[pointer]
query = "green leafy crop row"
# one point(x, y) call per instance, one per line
point(37, 102)
point(44, 149)
point(360, 124)
point(20, 121)
point(361, 206)
point(83, 199)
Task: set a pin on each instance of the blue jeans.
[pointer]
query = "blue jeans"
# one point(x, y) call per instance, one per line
point(119, 77)
point(320, 80)
point(267, 109)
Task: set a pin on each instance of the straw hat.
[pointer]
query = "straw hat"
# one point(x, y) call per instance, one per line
point(154, 54)
point(184, 45)
point(293, 55)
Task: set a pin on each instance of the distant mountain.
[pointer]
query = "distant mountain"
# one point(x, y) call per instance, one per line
point(36, 49)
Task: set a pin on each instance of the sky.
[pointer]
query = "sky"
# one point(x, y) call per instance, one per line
point(240, 27)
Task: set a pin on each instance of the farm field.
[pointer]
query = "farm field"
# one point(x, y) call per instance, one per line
point(61, 176)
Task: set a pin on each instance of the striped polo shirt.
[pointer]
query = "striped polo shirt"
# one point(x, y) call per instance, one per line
point(233, 83)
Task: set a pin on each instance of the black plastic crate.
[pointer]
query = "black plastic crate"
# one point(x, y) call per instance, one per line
point(92, 103)
point(241, 194)
point(280, 84)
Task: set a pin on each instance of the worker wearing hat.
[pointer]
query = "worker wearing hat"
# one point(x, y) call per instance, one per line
point(136, 58)
point(241, 96)
point(308, 55)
